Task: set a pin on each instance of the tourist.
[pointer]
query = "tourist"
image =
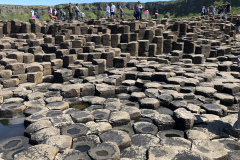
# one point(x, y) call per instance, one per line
point(55, 13)
point(203, 11)
point(136, 12)
point(140, 11)
point(70, 11)
point(155, 12)
point(107, 11)
point(37, 16)
point(82, 16)
point(112, 10)
point(219, 10)
point(146, 13)
point(121, 11)
point(228, 8)
point(63, 14)
point(225, 9)
point(238, 24)
point(208, 11)
point(32, 13)
point(50, 11)
point(224, 18)
point(77, 11)
point(222, 9)
point(213, 11)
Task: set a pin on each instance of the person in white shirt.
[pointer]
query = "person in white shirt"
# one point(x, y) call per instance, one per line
point(107, 11)
point(50, 11)
point(113, 10)
point(77, 11)
point(82, 16)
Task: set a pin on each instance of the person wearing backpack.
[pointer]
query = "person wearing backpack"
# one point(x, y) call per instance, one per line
point(55, 13)
point(77, 11)
point(70, 11)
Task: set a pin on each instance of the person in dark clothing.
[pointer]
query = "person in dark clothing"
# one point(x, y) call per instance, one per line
point(238, 25)
point(228, 8)
point(70, 11)
point(155, 12)
point(55, 13)
point(203, 11)
point(140, 10)
point(219, 10)
point(121, 11)
point(136, 12)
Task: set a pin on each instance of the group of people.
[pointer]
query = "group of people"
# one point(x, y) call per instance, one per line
point(224, 10)
point(138, 12)
point(53, 14)
point(111, 11)
point(33, 13)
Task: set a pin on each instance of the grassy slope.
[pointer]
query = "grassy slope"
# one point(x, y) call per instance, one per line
point(24, 14)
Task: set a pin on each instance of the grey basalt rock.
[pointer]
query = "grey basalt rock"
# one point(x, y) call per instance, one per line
point(119, 118)
point(121, 138)
point(184, 119)
point(145, 128)
point(106, 150)
point(69, 154)
point(144, 140)
point(85, 143)
point(62, 142)
point(34, 127)
point(13, 143)
point(41, 151)
point(82, 116)
point(75, 130)
point(12, 109)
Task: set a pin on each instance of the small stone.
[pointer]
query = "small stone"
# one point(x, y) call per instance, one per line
point(119, 118)
point(62, 142)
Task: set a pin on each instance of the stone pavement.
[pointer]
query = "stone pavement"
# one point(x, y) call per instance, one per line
point(103, 89)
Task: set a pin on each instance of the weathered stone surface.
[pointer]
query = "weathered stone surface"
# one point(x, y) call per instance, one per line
point(119, 118)
point(69, 154)
point(120, 137)
point(41, 151)
point(61, 142)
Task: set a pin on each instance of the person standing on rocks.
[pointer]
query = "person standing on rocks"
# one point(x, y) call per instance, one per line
point(137, 11)
point(203, 11)
point(213, 11)
point(228, 8)
point(37, 16)
point(238, 25)
point(208, 11)
point(82, 16)
point(107, 11)
point(113, 10)
point(155, 12)
point(50, 11)
point(146, 12)
point(55, 14)
point(32, 13)
point(70, 11)
point(140, 10)
point(77, 11)
point(63, 14)
point(121, 11)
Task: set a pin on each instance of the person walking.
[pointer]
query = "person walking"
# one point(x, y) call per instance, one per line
point(63, 14)
point(55, 13)
point(32, 13)
point(70, 11)
point(208, 11)
point(203, 11)
point(113, 10)
point(146, 12)
point(155, 12)
point(238, 25)
point(121, 11)
point(213, 11)
point(107, 11)
point(225, 9)
point(77, 11)
point(50, 11)
point(37, 16)
point(228, 8)
point(140, 11)
point(136, 11)
point(82, 16)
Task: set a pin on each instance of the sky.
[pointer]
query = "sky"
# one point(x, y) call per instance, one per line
point(55, 2)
